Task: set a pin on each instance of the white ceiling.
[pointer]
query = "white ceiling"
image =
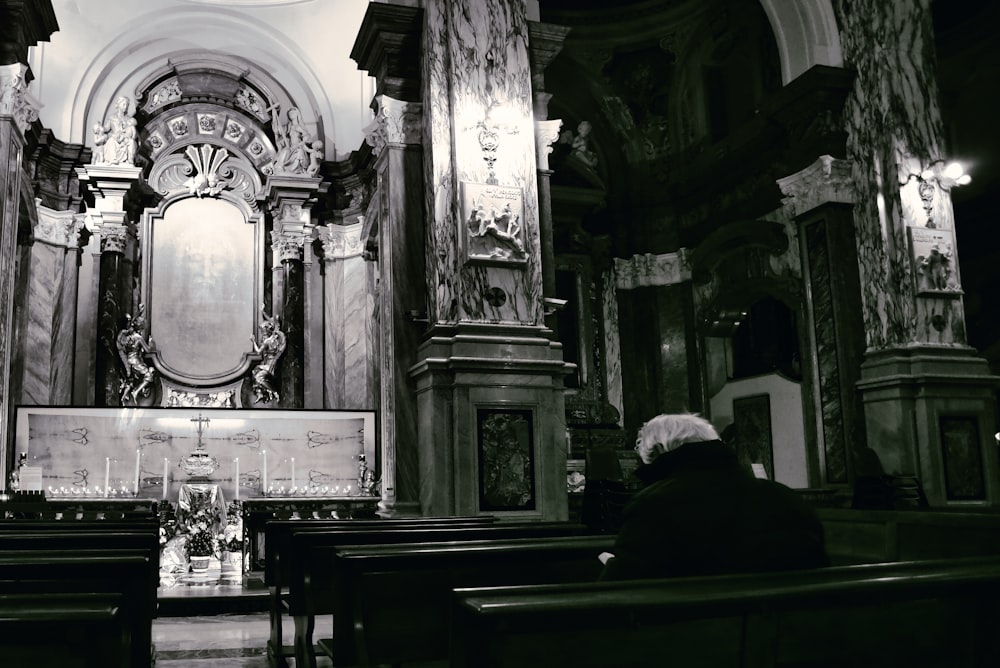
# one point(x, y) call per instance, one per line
point(106, 48)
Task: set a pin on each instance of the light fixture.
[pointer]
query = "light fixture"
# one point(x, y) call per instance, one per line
point(947, 176)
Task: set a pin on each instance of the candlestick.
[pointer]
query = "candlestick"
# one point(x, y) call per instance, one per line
point(107, 474)
point(165, 473)
point(135, 488)
point(263, 485)
point(237, 478)
point(293, 473)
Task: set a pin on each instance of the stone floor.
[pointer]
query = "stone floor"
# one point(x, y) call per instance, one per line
point(219, 641)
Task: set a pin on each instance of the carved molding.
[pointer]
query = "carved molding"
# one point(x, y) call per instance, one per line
point(206, 170)
point(59, 228)
point(342, 241)
point(14, 98)
point(546, 134)
point(652, 270)
point(114, 238)
point(396, 122)
point(827, 180)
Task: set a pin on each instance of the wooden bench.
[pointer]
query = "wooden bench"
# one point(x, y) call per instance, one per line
point(391, 602)
point(311, 585)
point(930, 613)
point(277, 571)
point(122, 576)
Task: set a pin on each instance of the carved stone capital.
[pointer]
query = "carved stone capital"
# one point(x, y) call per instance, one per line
point(546, 134)
point(59, 228)
point(287, 245)
point(828, 180)
point(396, 122)
point(114, 238)
point(14, 98)
point(342, 241)
point(652, 270)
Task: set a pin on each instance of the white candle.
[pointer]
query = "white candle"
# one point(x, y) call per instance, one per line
point(237, 478)
point(165, 473)
point(293, 473)
point(263, 486)
point(107, 474)
point(135, 489)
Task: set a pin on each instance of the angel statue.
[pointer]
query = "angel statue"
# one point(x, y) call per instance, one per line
point(272, 345)
point(137, 381)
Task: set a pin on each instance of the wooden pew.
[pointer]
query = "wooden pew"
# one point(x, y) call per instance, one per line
point(311, 588)
point(927, 613)
point(277, 572)
point(391, 602)
point(122, 576)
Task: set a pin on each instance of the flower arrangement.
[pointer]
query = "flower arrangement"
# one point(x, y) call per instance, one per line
point(200, 543)
point(168, 523)
point(231, 538)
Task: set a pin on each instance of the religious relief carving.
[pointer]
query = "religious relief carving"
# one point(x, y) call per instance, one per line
point(166, 92)
point(827, 180)
point(138, 376)
point(271, 347)
point(179, 399)
point(493, 229)
point(299, 153)
point(933, 260)
point(247, 99)
point(13, 97)
point(115, 140)
point(652, 270)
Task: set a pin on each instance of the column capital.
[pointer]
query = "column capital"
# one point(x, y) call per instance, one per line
point(114, 238)
point(59, 228)
point(342, 241)
point(396, 122)
point(14, 98)
point(827, 180)
point(652, 270)
point(546, 134)
point(388, 48)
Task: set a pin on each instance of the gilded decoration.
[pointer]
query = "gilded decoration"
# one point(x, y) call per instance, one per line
point(14, 99)
point(826, 180)
point(652, 270)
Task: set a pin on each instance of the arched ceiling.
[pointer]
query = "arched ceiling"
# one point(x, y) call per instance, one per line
point(301, 48)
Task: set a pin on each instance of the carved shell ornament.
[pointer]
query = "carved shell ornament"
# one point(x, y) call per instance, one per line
point(206, 162)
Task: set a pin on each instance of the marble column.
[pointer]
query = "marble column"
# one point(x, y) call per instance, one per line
point(291, 199)
point(820, 199)
point(928, 399)
point(347, 316)
point(51, 306)
point(110, 184)
point(490, 381)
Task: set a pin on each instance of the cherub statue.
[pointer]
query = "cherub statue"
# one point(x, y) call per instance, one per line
point(137, 380)
point(271, 347)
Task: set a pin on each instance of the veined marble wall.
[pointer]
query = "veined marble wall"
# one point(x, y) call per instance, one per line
point(478, 108)
point(894, 130)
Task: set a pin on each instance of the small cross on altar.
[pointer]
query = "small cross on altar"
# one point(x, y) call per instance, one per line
point(202, 423)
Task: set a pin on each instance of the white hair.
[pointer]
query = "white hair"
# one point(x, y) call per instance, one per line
point(666, 432)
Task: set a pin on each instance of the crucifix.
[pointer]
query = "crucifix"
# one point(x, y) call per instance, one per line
point(202, 423)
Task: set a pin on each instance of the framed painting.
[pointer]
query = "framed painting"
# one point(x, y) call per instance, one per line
point(506, 450)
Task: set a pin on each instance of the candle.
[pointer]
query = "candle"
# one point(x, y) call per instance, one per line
point(107, 474)
point(165, 473)
point(263, 485)
point(237, 478)
point(293, 473)
point(135, 489)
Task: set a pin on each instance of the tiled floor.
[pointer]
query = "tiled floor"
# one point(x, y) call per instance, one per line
point(220, 641)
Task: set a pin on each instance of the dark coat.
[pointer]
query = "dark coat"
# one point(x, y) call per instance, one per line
point(702, 513)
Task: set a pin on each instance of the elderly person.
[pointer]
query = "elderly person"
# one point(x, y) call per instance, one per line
point(702, 513)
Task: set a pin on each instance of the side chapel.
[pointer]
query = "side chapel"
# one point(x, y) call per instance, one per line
point(498, 236)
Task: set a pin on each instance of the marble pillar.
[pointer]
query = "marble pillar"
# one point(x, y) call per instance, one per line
point(51, 308)
point(928, 399)
point(290, 200)
point(347, 315)
point(110, 184)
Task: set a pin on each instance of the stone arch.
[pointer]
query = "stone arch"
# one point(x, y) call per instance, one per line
point(807, 35)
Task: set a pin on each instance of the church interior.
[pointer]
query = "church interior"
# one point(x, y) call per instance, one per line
point(268, 263)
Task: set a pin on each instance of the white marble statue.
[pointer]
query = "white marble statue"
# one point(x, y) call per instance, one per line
point(115, 140)
point(297, 151)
